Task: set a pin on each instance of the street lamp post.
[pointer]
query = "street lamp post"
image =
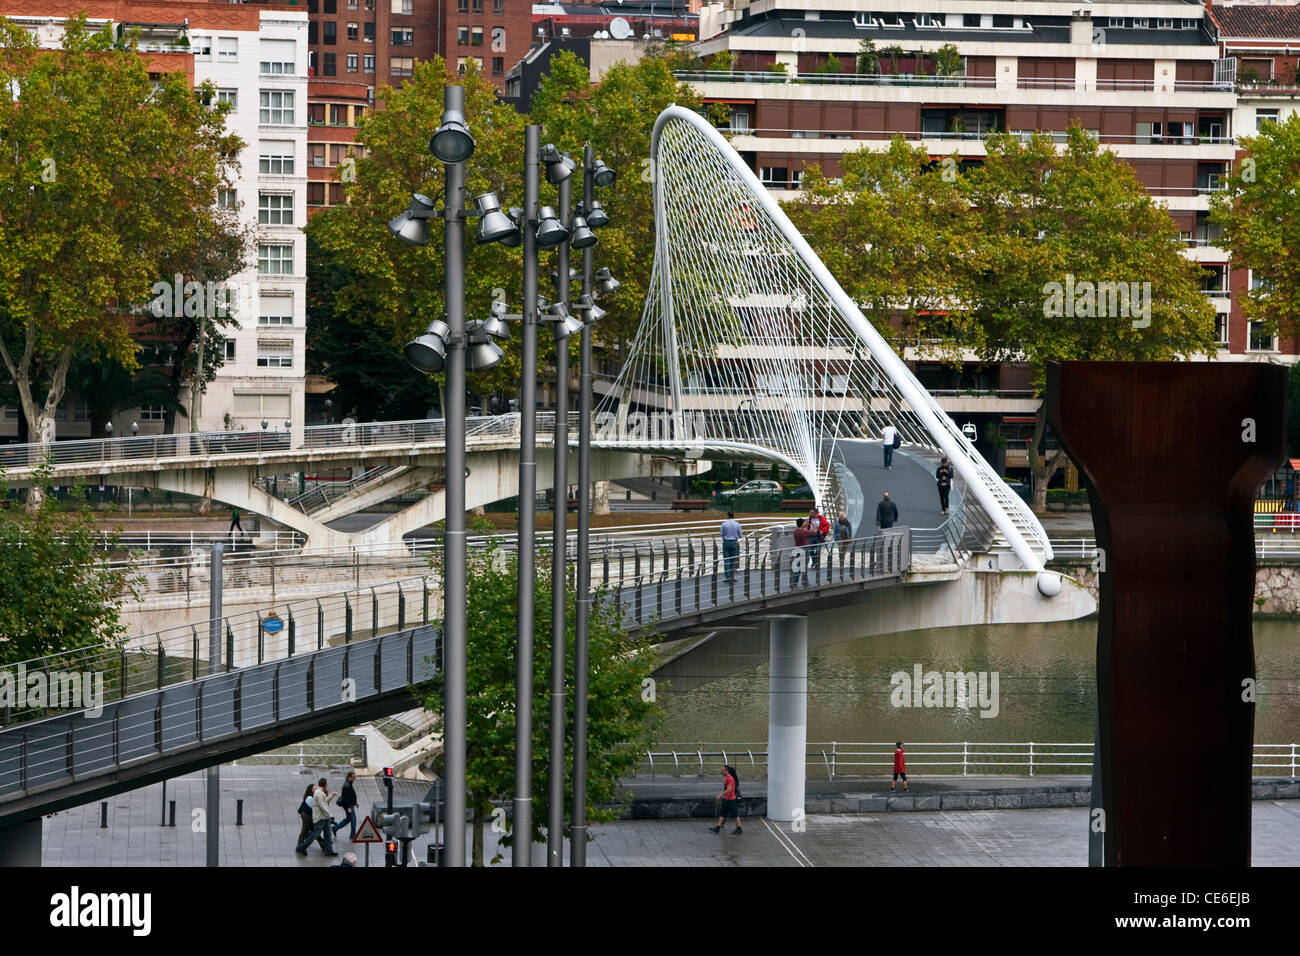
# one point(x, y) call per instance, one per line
point(442, 347)
point(559, 544)
point(523, 803)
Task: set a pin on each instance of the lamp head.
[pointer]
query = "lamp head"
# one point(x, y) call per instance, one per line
point(480, 356)
point(451, 142)
point(493, 224)
point(550, 231)
point(596, 216)
point(602, 175)
point(516, 237)
point(428, 353)
point(413, 225)
point(558, 166)
point(605, 282)
point(582, 237)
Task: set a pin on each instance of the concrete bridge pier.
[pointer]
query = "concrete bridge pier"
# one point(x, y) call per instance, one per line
point(787, 722)
point(20, 845)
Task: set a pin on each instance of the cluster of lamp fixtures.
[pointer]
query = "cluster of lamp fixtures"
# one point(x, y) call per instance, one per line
point(452, 143)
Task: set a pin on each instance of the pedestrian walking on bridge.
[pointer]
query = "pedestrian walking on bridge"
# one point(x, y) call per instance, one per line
point(886, 512)
point(943, 478)
point(730, 543)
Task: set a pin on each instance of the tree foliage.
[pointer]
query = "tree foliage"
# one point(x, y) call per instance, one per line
point(106, 164)
point(620, 721)
point(988, 252)
point(59, 594)
point(391, 290)
point(1257, 211)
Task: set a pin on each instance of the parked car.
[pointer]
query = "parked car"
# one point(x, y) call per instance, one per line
point(798, 491)
point(759, 486)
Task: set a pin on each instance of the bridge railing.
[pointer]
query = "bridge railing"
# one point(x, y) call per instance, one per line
point(153, 723)
point(850, 760)
point(181, 654)
point(1280, 546)
point(644, 595)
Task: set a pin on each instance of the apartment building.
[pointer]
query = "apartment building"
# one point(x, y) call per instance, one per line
point(256, 56)
point(358, 46)
point(1148, 78)
point(1263, 41)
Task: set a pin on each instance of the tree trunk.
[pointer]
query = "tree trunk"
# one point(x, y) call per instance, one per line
point(1052, 463)
point(477, 844)
point(40, 418)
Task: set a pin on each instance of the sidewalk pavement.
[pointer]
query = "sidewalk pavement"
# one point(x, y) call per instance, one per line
point(1039, 837)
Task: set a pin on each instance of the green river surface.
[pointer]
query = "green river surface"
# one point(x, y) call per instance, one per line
point(718, 693)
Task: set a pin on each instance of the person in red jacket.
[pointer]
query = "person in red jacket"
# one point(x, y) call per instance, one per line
point(900, 767)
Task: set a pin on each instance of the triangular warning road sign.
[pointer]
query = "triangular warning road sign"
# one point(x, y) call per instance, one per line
point(368, 833)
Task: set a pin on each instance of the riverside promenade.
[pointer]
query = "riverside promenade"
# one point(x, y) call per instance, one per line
point(848, 823)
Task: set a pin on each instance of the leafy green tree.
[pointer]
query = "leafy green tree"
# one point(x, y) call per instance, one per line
point(1051, 220)
point(59, 593)
point(89, 208)
point(897, 231)
point(1257, 211)
point(868, 57)
point(107, 388)
point(831, 66)
point(895, 54)
point(620, 720)
point(947, 61)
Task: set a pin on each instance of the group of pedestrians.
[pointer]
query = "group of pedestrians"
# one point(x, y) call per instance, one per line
point(318, 822)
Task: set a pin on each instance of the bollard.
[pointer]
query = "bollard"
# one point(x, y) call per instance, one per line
point(171, 813)
point(239, 812)
point(627, 496)
point(654, 494)
point(103, 814)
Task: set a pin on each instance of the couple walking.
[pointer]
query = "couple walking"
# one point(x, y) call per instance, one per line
point(317, 820)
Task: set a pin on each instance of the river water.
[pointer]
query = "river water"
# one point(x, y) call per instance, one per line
point(718, 692)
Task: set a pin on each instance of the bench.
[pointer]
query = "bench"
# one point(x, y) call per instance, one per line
point(690, 504)
point(797, 504)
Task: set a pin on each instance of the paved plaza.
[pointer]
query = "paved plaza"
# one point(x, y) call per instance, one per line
point(1045, 837)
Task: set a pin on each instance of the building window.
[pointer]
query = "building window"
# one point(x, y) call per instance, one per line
point(1260, 340)
point(271, 405)
point(315, 114)
point(226, 199)
point(403, 37)
point(478, 6)
point(352, 4)
point(338, 115)
point(1141, 23)
point(229, 96)
point(274, 260)
point(313, 34)
point(152, 413)
point(352, 63)
point(230, 350)
point(1117, 22)
point(274, 209)
point(462, 36)
point(462, 6)
point(404, 7)
point(277, 57)
point(315, 194)
point(476, 36)
point(274, 358)
point(462, 64)
point(401, 65)
point(331, 6)
point(780, 177)
point(1264, 118)
point(1163, 23)
point(354, 31)
point(498, 65)
point(739, 119)
point(276, 310)
point(368, 32)
point(201, 47)
point(330, 32)
point(370, 4)
point(498, 7)
point(316, 154)
point(228, 48)
point(368, 63)
point(276, 108)
point(1221, 329)
point(277, 161)
point(330, 66)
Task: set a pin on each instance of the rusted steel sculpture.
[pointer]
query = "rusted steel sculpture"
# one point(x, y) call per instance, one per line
point(1172, 454)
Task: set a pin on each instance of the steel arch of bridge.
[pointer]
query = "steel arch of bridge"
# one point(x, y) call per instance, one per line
point(748, 343)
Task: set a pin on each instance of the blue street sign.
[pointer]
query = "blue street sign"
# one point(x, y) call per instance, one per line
point(272, 624)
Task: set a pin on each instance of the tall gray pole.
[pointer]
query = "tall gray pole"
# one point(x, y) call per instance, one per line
point(555, 769)
point(582, 600)
point(523, 817)
point(454, 593)
point(213, 821)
